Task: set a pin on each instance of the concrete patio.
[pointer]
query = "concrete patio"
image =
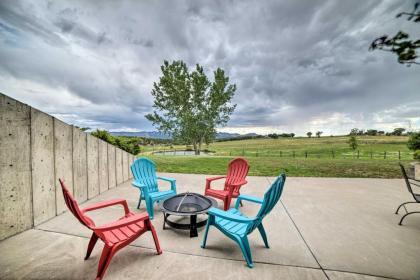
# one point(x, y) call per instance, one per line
point(324, 228)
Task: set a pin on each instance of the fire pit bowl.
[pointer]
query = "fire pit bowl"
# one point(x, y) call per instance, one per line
point(186, 204)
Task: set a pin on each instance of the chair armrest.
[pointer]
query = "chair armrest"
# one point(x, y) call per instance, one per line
point(240, 183)
point(228, 216)
point(215, 178)
point(123, 222)
point(137, 184)
point(171, 180)
point(247, 198)
point(104, 204)
point(209, 180)
point(141, 186)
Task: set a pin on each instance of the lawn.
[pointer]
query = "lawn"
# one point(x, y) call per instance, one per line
point(370, 147)
point(376, 157)
point(267, 166)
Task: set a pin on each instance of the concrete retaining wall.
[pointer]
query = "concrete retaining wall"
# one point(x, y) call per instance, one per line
point(15, 167)
point(42, 154)
point(35, 151)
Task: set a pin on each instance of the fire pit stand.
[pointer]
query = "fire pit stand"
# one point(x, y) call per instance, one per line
point(186, 204)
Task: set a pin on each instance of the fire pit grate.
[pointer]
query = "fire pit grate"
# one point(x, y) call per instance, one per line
point(186, 204)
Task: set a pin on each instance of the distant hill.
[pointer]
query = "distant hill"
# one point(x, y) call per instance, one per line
point(160, 135)
point(145, 134)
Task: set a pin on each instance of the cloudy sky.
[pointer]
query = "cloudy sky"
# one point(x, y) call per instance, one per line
point(298, 65)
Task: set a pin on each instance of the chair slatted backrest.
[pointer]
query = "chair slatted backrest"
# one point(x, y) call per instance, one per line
point(74, 207)
point(237, 171)
point(271, 197)
point(407, 180)
point(144, 171)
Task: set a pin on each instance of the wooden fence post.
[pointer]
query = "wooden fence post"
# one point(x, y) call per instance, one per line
point(385, 155)
point(333, 155)
point(306, 154)
point(357, 154)
point(399, 155)
point(371, 155)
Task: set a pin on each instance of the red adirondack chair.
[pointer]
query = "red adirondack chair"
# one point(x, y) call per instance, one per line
point(235, 179)
point(115, 235)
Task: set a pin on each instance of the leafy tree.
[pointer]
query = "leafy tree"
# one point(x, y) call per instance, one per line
point(354, 131)
point(414, 141)
point(273, 135)
point(309, 134)
point(353, 142)
point(318, 134)
point(372, 132)
point(188, 105)
point(401, 44)
point(128, 144)
point(398, 131)
point(414, 144)
point(104, 135)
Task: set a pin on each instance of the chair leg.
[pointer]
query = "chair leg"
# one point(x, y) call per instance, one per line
point(206, 231)
point(149, 206)
point(227, 203)
point(263, 235)
point(240, 203)
point(246, 251)
point(155, 238)
point(106, 256)
point(91, 245)
point(403, 205)
point(403, 217)
point(138, 205)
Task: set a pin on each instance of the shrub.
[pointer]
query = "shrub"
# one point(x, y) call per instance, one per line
point(414, 141)
point(416, 155)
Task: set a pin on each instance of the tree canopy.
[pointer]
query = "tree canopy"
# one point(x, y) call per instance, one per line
point(188, 105)
point(401, 44)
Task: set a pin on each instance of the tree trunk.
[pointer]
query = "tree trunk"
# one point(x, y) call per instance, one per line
point(196, 150)
point(199, 146)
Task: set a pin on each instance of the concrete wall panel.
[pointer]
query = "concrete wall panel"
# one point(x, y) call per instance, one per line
point(79, 165)
point(63, 161)
point(125, 166)
point(119, 165)
point(92, 166)
point(15, 168)
point(103, 166)
point(111, 167)
point(130, 162)
point(42, 149)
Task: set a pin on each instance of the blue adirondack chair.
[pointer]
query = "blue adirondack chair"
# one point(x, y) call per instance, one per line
point(237, 226)
point(144, 172)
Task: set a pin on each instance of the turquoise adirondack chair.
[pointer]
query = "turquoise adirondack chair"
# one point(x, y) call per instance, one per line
point(144, 172)
point(237, 226)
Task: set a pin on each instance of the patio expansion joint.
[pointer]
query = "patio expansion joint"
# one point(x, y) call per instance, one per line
point(183, 253)
point(301, 235)
point(230, 259)
point(324, 270)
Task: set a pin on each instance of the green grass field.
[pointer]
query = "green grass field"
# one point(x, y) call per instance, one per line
point(377, 157)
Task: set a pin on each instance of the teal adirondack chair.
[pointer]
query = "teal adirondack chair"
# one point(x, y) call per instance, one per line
point(237, 226)
point(144, 172)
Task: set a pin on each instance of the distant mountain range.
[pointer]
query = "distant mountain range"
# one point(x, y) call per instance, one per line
point(160, 135)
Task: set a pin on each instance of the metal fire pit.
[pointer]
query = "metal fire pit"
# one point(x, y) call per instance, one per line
point(186, 204)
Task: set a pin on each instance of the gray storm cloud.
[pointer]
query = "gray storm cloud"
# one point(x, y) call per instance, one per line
point(298, 65)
